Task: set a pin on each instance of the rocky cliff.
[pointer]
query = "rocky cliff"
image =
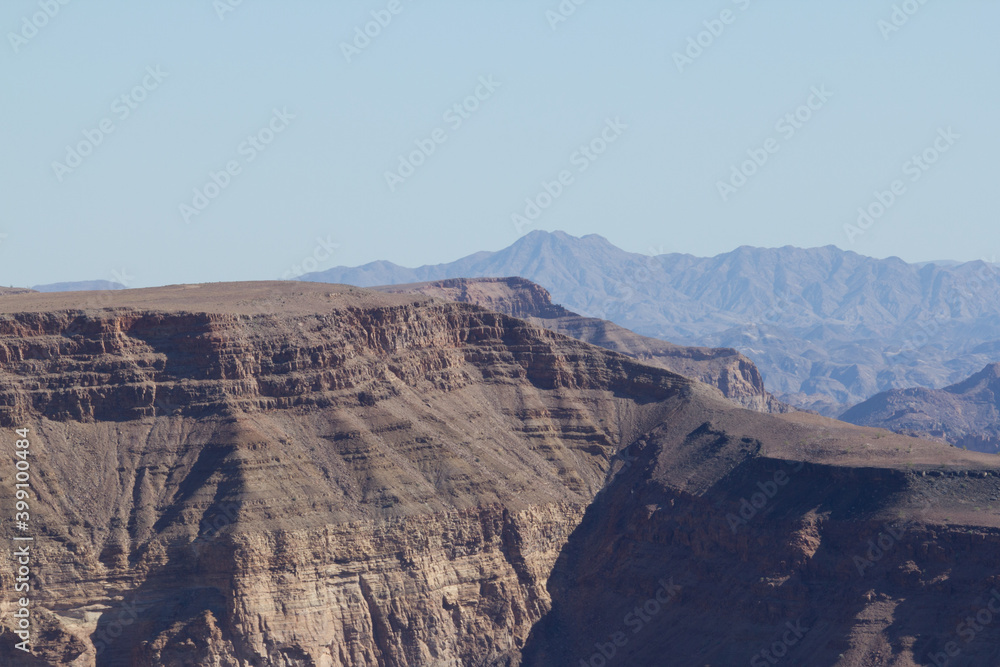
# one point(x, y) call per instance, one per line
point(289, 474)
point(302, 475)
point(732, 373)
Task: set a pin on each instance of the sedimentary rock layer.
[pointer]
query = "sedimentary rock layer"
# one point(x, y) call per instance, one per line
point(287, 474)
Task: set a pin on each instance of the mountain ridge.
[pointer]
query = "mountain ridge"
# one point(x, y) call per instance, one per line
point(828, 328)
point(79, 286)
point(965, 414)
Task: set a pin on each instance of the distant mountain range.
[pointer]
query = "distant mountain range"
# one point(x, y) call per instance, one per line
point(78, 286)
point(828, 328)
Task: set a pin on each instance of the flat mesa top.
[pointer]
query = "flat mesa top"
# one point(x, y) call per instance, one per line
point(240, 298)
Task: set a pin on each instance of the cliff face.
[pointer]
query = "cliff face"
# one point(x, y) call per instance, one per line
point(732, 373)
point(768, 559)
point(359, 480)
point(286, 474)
point(514, 296)
point(966, 414)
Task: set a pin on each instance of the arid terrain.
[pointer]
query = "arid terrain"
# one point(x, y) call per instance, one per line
point(304, 474)
point(828, 328)
point(966, 414)
point(732, 373)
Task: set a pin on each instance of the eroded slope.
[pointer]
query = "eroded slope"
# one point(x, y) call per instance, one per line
point(289, 474)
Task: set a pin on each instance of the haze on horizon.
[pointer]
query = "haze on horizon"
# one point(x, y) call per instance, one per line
point(295, 121)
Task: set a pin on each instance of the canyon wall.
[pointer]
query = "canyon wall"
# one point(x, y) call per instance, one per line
point(287, 474)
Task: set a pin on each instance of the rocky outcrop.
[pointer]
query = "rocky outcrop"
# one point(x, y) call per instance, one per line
point(514, 296)
point(308, 475)
point(965, 414)
point(732, 373)
point(354, 479)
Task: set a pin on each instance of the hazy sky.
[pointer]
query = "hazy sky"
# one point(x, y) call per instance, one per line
point(309, 115)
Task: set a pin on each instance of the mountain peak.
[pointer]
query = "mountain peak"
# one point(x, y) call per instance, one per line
point(821, 307)
point(537, 235)
point(986, 377)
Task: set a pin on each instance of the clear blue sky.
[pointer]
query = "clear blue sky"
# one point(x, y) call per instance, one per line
point(323, 174)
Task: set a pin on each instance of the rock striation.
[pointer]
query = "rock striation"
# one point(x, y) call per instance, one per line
point(732, 373)
point(254, 474)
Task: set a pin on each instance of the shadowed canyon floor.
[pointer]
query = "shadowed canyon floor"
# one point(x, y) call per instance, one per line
point(309, 474)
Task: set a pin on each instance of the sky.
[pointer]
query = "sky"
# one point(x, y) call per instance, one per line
point(206, 140)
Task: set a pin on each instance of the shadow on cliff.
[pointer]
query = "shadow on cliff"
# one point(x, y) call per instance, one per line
point(187, 595)
point(657, 576)
point(212, 459)
point(152, 609)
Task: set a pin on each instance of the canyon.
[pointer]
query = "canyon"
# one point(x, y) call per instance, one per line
point(281, 473)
